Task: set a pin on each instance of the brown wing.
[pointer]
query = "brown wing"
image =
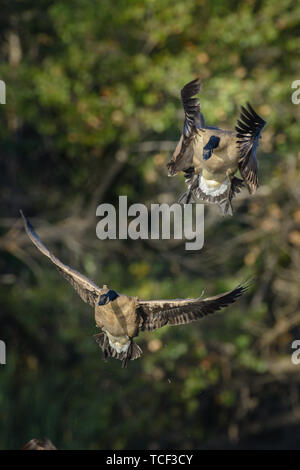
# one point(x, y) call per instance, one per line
point(157, 313)
point(87, 289)
point(183, 155)
point(248, 130)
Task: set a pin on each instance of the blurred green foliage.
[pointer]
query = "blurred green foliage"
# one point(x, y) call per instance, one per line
point(93, 112)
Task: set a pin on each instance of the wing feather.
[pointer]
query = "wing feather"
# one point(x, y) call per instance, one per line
point(157, 313)
point(248, 131)
point(191, 106)
point(85, 287)
point(183, 154)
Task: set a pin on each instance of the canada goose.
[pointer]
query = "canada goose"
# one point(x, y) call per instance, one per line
point(121, 317)
point(210, 156)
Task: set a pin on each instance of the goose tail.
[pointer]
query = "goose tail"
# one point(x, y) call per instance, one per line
point(222, 196)
point(133, 351)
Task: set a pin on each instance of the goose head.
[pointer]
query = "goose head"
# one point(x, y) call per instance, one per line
point(107, 297)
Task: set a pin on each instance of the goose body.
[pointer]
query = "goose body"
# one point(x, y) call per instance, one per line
point(119, 321)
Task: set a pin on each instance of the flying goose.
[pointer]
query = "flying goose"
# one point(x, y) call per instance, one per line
point(121, 317)
point(210, 156)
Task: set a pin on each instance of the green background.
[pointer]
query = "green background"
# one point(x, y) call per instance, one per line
point(93, 112)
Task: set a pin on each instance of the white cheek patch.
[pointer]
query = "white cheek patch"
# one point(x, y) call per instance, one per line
point(221, 188)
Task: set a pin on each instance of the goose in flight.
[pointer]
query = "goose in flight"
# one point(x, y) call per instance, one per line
point(121, 317)
point(210, 156)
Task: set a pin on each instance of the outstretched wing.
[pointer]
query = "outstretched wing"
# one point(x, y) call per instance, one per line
point(191, 106)
point(183, 154)
point(248, 130)
point(157, 313)
point(87, 289)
